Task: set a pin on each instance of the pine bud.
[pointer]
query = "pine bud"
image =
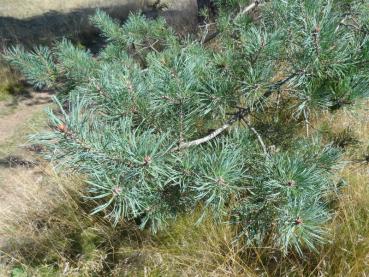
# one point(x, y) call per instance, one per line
point(298, 221)
point(61, 128)
point(221, 181)
point(147, 160)
point(291, 183)
point(117, 190)
point(273, 149)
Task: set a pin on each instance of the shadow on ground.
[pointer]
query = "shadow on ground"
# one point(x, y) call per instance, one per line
point(53, 25)
point(13, 161)
point(23, 93)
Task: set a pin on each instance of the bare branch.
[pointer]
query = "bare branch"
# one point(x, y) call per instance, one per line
point(244, 11)
point(210, 37)
point(258, 137)
point(202, 140)
point(247, 9)
point(237, 116)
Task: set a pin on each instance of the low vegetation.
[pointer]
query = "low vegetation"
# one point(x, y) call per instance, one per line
point(8, 82)
point(57, 235)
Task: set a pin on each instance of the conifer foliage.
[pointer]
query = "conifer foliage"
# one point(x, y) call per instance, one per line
point(162, 125)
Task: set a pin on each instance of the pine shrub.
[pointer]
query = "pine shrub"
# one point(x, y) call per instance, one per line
point(161, 125)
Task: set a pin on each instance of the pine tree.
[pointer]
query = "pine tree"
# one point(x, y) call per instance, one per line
point(161, 125)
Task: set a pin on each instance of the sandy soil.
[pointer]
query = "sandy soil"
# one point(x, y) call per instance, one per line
point(21, 175)
point(23, 110)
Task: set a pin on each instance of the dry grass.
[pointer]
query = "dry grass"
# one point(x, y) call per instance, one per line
point(184, 249)
point(39, 231)
point(64, 239)
point(348, 255)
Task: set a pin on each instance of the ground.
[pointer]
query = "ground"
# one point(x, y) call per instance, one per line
point(20, 173)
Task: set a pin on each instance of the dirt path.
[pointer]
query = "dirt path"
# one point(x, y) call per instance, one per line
point(21, 176)
point(19, 112)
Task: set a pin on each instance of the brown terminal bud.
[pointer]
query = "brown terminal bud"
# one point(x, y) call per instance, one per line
point(273, 149)
point(291, 183)
point(61, 128)
point(133, 110)
point(316, 31)
point(147, 160)
point(298, 221)
point(221, 181)
point(117, 190)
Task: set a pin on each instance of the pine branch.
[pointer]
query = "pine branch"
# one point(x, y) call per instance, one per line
point(236, 117)
point(248, 8)
point(136, 102)
point(258, 136)
point(210, 37)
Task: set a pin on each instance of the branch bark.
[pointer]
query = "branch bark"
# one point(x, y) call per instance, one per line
point(237, 116)
point(247, 9)
point(258, 136)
